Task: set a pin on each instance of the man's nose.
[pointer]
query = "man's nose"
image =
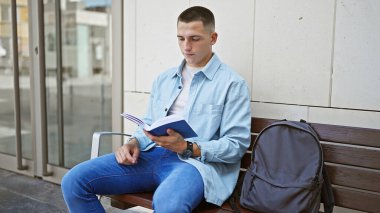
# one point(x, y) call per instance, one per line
point(187, 45)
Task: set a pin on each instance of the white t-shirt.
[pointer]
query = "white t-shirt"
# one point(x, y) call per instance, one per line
point(179, 104)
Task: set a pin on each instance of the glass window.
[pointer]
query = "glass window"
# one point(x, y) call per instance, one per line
point(6, 11)
point(7, 112)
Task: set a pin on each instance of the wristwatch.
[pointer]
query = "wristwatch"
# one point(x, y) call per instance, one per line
point(188, 151)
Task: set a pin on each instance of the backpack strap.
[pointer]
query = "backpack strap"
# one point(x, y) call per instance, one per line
point(327, 193)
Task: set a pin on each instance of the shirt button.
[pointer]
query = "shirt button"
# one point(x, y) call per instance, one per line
point(166, 109)
point(179, 87)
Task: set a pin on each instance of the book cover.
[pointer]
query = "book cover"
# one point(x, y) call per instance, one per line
point(159, 127)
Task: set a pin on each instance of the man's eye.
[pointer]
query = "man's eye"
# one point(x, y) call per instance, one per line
point(196, 38)
point(180, 39)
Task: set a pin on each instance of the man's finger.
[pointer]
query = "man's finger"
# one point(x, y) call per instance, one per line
point(171, 132)
point(128, 158)
point(119, 158)
point(123, 156)
point(136, 153)
point(148, 134)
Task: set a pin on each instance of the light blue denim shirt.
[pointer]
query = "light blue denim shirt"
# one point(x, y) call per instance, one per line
point(218, 109)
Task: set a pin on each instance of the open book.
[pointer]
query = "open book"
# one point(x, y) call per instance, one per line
point(159, 127)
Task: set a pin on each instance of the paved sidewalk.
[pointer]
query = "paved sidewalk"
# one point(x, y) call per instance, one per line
point(19, 193)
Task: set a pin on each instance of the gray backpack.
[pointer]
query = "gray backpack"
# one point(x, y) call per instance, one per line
point(287, 171)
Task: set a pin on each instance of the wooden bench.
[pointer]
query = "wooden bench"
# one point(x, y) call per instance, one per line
point(352, 156)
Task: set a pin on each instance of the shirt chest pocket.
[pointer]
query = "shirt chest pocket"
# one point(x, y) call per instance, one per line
point(208, 109)
point(207, 117)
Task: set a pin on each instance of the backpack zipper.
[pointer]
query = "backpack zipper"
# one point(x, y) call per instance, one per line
point(252, 179)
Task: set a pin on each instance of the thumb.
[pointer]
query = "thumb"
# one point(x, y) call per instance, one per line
point(171, 132)
point(175, 134)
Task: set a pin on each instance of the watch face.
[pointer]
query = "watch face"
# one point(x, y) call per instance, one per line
point(186, 154)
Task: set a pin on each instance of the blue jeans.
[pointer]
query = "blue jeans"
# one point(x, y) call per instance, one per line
point(178, 185)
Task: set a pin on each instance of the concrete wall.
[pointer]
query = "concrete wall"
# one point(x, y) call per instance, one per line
point(315, 60)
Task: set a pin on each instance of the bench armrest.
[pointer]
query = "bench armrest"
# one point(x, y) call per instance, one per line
point(96, 141)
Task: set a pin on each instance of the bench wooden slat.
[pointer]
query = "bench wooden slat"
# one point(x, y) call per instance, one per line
point(121, 204)
point(355, 156)
point(354, 199)
point(145, 200)
point(354, 177)
point(205, 207)
point(348, 135)
point(332, 133)
point(258, 124)
point(246, 160)
point(209, 208)
point(141, 199)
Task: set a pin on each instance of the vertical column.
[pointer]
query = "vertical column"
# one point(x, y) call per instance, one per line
point(38, 100)
point(58, 30)
point(117, 67)
point(16, 83)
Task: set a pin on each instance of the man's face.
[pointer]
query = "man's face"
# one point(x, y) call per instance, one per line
point(195, 42)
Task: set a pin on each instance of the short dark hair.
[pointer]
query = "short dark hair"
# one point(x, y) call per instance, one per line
point(198, 13)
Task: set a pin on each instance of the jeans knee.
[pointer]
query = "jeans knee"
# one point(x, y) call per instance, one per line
point(67, 186)
point(72, 185)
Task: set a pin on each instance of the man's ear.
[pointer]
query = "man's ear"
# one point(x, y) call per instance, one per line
point(214, 38)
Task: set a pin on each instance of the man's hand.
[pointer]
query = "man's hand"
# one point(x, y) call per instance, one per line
point(128, 153)
point(174, 141)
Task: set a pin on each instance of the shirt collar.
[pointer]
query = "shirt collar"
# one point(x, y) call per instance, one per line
point(209, 70)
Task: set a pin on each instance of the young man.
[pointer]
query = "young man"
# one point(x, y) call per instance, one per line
point(214, 100)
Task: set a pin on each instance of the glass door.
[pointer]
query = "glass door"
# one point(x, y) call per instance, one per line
point(62, 91)
point(16, 147)
point(78, 77)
